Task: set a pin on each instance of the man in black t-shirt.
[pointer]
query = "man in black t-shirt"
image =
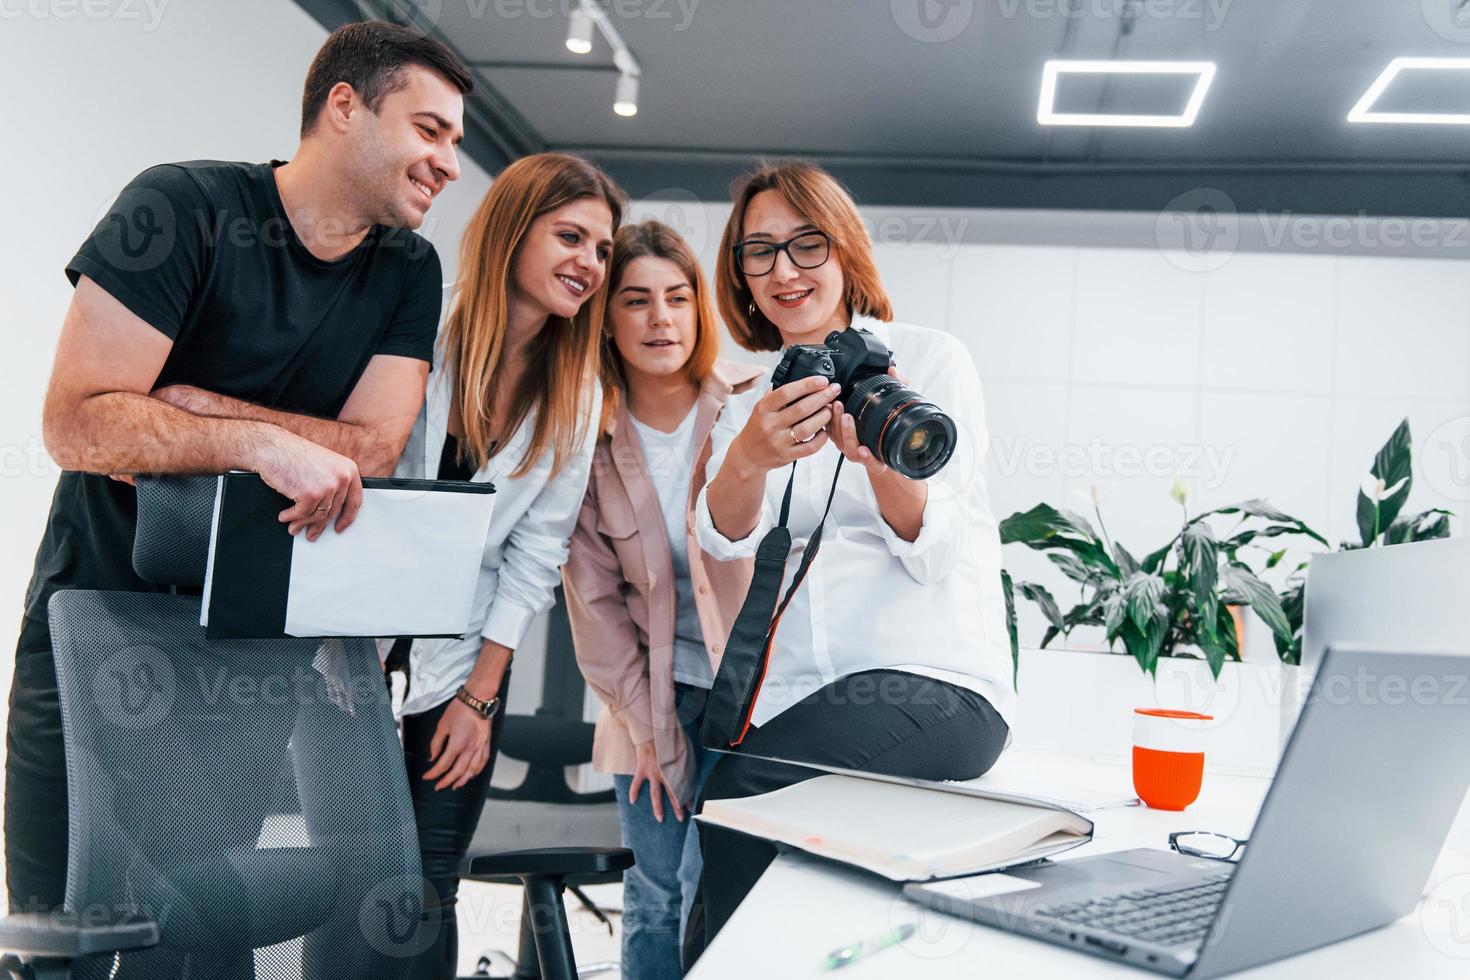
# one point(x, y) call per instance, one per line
point(271, 317)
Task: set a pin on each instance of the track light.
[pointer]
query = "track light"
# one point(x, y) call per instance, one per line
point(579, 36)
point(625, 103)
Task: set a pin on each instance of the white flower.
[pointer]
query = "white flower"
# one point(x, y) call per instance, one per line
point(1377, 491)
point(1179, 491)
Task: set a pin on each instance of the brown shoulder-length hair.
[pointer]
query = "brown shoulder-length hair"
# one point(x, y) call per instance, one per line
point(657, 240)
point(817, 196)
point(563, 358)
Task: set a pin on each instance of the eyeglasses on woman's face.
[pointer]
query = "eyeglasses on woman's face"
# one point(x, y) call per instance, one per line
point(806, 251)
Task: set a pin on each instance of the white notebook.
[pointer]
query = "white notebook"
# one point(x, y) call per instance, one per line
point(903, 832)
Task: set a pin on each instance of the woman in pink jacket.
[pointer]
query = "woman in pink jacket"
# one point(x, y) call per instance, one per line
point(649, 611)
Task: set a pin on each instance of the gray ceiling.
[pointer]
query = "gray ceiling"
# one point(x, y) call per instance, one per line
point(951, 121)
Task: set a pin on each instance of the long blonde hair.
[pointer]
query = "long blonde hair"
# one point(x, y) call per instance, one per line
point(563, 360)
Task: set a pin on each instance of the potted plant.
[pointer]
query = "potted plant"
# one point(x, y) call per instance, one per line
point(1175, 601)
point(1381, 498)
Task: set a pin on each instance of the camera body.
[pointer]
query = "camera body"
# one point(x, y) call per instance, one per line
point(845, 357)
point(895, 423)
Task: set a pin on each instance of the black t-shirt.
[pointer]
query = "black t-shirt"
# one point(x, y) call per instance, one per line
point(204, 252)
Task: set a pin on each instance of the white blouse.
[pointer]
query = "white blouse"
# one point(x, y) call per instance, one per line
point(530, 528)
point(932, 607)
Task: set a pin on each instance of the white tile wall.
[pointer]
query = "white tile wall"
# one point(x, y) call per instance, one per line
point(1274, 375)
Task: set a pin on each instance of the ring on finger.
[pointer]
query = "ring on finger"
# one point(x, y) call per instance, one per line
point(801, 442)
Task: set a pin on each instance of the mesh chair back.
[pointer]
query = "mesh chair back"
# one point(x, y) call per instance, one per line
point(247, 794)
point(175, 514)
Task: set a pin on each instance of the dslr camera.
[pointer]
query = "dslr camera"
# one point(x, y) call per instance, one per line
point(898, 426)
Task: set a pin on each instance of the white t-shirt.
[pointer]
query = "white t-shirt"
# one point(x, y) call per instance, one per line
point(670, 458)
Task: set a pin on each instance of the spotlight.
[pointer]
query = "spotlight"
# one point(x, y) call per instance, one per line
point(625, 103)
point(579, 36)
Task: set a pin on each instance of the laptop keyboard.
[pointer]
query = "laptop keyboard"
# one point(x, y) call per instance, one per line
point(1165, 916)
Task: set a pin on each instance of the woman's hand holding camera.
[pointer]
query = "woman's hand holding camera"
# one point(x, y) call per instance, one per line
point(843, 432)
point(789, 423)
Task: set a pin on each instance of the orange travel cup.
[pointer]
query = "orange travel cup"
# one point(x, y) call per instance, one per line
point(1168, 756)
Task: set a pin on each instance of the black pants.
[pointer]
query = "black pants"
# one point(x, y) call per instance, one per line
point(446, 822)
point(880, 721)
point(35, 778)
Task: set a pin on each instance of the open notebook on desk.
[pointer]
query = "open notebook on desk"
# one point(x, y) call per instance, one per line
point(905, 829)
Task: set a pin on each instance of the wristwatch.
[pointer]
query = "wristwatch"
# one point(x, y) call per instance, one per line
point(485, 709)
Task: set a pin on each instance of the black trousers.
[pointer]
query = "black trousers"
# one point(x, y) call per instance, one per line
point(881, 721)
point(446, 822)
point(35, 778)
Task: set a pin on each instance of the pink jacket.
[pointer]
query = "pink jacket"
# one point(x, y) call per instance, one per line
point(620, 590)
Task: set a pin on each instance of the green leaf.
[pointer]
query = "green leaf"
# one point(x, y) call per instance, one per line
point(1219, 644)
point(1072, 566)
point(1126, 562)
point(1009, 592)
point(1275, 558)
point(1394, 462)
point(1044, 527)
point(1263, 510)
point(1199, 554)
point(1155, 559)
point(1259, 597)
point(1039, 595)
point(1142, 592)
point(1429, 525)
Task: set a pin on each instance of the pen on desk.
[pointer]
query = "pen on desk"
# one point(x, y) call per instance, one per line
point(851, 954)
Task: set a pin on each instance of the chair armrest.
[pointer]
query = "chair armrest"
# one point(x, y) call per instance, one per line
point(67, 935)
point(551, 861)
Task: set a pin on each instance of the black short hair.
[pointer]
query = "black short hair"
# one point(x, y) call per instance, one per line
point(370, 56)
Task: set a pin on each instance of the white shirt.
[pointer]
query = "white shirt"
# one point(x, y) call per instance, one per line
point(871, 600)
point(670, 458)
point(525, 547)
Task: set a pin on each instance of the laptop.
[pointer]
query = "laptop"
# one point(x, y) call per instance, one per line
point(1367, 790)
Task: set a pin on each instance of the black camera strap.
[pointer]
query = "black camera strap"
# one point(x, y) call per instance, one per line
point(748, 650)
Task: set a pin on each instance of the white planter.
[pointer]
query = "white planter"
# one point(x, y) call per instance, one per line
point(1082, 703)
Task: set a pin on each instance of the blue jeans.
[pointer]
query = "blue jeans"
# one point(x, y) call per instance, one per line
point(659, 888)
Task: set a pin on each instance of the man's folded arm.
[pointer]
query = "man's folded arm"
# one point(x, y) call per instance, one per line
point(371, 430)
point(100, 418)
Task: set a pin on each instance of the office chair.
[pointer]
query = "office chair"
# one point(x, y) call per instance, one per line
point(239, 808)
point(542, 833)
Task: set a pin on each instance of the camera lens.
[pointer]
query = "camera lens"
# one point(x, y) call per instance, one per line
point(909, 434)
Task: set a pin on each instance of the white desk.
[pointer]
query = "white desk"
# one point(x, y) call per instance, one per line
point(804, 908)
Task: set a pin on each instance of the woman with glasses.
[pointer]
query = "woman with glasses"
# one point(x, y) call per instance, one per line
point(514, 403)
point(649, 612)
point(892, 655)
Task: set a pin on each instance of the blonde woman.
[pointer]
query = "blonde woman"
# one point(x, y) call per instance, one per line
point(515, 402)
point(649, 612)
point(892, 656)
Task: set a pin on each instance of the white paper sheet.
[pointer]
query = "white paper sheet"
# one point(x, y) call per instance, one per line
point(219, 487)
point(408, 565)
